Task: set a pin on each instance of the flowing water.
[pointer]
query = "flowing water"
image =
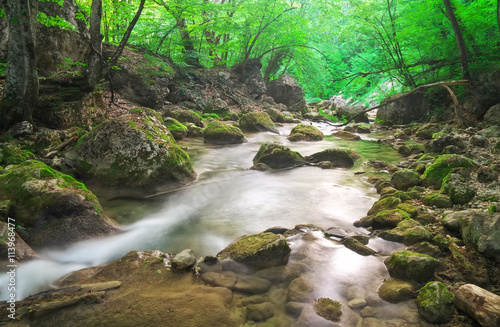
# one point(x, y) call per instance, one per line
point(229, 200)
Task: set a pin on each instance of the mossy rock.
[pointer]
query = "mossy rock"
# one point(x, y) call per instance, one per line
point(425, 132)
point(257, 122)
point(404, 179)
point(134, 150)
point(178, 130)
point(412, 267)
point(218, 132)
point(186, 116)
point(194, 131)
point(4, 209)
point(437, 200)
point(459, 191)
point(396, 291)
point(338, 157)
point(409, 149)
point(277, 156)
point(303, 132)
point(425, 247)
point(387, 191)
point(54, 208)
point(389, 218)
point(345, 135)
point(384, 204)
point(260, 250)
point(435, 303)
point(14, 154)
point(407, 231)
point(411, 210)
point(442, 166)
point(403, 196)
point(217, 106)
point(328, 309)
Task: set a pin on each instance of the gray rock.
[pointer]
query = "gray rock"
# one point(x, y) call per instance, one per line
point(184, 259)
point(481, 231)
point(295, 308)
point(426, 131)
point(492, 116)
point(349, 111)
point(492, 131)
point(479, 141)
point(358, 247)
point(21, 129)
point(486, 175)
point(287, 91)
point(405, 178)
point(406, 110)
point(451, 220)
point(459, 191)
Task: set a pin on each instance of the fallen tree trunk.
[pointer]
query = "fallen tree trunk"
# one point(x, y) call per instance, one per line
point(458, 109)
point(480, 304)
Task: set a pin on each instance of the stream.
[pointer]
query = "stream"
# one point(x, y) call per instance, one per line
point(229, 200)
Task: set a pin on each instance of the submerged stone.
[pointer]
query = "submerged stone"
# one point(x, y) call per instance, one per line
point(395, 291)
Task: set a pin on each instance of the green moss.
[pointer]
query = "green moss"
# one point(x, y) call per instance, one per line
point(218, 132)
point(437, 200)
point(257, 121)
point(435, 173)
point(303, 132)
point(435, 302)
point(384, 204)
point(178, 164)
point(328, 309)
point(408, 208)
point(277, 156)
point(14, 155)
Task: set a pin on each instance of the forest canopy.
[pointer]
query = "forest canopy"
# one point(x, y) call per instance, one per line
point(365, 49)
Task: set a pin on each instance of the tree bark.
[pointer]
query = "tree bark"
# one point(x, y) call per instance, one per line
point(21, 86)
point(462, 50)
point(480, 304)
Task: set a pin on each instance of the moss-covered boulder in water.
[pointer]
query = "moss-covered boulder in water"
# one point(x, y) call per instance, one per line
point(436, 172)
point(260, 250)
point(389, 218)
point(408, 232)
point(218, 132)
point(412, 267)
point(54, 208)
point(135, 150)
point(435, 303)
point(257, 122)
point(303, 132)
point(437, 200)
point(328, 309)
point(338, 157)
point(405, 178)
point(277, 156)
point(384, 204)
point(178, 130)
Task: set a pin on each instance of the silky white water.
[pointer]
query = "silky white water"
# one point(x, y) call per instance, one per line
point(227, 201)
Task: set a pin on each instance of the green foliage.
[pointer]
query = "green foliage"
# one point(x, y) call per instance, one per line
point(54, 21)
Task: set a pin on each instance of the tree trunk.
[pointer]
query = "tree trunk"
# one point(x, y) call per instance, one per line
point(480, 304)
point(95, 61)
point(21, 86)
point(462, 50)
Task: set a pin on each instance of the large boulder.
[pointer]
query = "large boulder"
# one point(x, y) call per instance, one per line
point(442, 142)
point(54, 209)
point(287, 91)
point(338, 157)
point(218, 132)
point(435, 303)
point(260, 250)
point(492, 116)
point(405, 178)
point(408, 109)
point(348, 111)
point(459, 191)
point(186, 116)
point(303, 132)
point(481, 231)
point(178, 130)
point(257, 122)
point(437, 171)
point(409, 266)
point(249, 74)
point(135, 150)
point(277, 156)
point(427, 131)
